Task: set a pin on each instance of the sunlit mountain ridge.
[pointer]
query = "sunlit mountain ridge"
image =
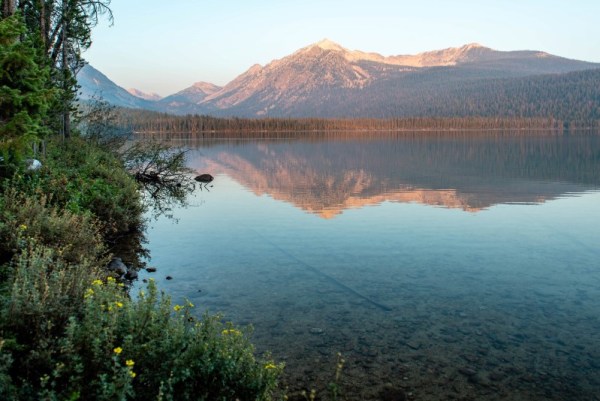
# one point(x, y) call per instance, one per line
point(325, 79)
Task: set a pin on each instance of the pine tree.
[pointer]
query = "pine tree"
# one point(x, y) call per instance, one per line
point(25, 92)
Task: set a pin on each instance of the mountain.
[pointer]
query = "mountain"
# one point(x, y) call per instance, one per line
point(187, 100)
point(316, 80)
point(144, 95)
point(327, 80)
point(94, 84)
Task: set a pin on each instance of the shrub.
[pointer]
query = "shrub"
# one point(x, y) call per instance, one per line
point(83, 177)
point(144, 349)
point(74, 237)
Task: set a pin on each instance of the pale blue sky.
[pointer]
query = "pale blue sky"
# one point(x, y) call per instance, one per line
point(165, 46)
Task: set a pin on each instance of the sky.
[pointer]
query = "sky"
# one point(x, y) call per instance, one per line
point(166, 46)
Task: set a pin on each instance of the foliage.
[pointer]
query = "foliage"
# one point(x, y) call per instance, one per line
point(25, 95)
point(162, 172)
point(113, 347)
point(33, 219)
point(153, 124)
point(98, 124)
point(62, 31)
point(83, 179)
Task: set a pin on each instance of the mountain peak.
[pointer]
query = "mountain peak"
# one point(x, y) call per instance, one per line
point(327, 44)
point(206, 87)
point(144, 95)
point(473, 46)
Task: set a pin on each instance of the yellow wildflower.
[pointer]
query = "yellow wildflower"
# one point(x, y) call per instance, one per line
point(119, 304)
point(110, 279)
point(118, 350)
point(129, 362)
point(132, 374)
point(88, 293)
point(231, 331)
point(270, 366)
point(177, 308)
point(189, 304)
point(97, 282)
point(121, 285)
point(22, 227)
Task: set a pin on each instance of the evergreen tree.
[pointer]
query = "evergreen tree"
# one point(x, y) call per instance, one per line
point(62, 30)
point(25, 92)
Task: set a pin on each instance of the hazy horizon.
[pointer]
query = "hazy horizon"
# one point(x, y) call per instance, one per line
point(165, 49)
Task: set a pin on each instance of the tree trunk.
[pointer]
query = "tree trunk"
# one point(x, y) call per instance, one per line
point(42, 6)
point(66, 86)
point(8, 8)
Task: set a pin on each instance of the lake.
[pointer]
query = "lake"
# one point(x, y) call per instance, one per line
point(441, 266)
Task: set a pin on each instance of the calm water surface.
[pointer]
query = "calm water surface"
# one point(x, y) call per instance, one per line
point(440, 266)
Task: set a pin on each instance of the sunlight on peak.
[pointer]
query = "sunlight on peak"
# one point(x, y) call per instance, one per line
point(327, 44)
point(473, 46)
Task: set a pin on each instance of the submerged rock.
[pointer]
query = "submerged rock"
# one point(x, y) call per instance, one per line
point(391, 393)
point(150, 269)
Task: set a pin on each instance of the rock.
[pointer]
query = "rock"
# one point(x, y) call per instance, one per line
point(390, 393)
point(150, 269)
point(496, 376)
point(205, 178)
point(116, 265)
point(467, 372)
point(131, 274)
point(413, 345)
point(169, 278)
point(33, 164)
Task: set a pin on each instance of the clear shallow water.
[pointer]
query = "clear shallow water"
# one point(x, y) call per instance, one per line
point(440, 266)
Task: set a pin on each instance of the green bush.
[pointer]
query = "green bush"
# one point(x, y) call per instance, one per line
point(115, 348)
point(74, 237)
point(80, 178)
point(83, 177)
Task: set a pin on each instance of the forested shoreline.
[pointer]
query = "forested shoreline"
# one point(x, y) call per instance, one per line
point(151, 122)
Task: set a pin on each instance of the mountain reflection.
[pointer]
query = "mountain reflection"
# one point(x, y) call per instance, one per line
point(327, 174)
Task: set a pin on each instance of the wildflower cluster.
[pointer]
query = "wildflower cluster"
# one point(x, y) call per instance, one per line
point(110, 285)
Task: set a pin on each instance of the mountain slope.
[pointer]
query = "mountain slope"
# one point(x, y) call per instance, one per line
point(187, 100)
point(327, 80)
point(94, 84)
point(321, 76)
point(144, 95)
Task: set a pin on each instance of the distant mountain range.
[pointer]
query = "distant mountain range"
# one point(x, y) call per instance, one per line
point(327, 80)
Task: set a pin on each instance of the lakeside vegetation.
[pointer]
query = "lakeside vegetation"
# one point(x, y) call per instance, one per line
point(69, 328)
point(151, 122)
